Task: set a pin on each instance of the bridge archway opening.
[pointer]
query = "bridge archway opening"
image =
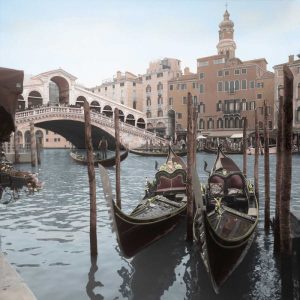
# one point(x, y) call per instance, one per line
point(130, 120)
point(21, 103)
point(95, 106)
point(107, 111)
point(121, 116)
point(59, 91)
point(150, 127)
point(39, 137)
point(80, 101)
point(141, 123)
point(34, 99)
point(171, 124)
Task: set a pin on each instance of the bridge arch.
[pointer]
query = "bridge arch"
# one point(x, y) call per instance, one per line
point(80, 101)
point(140, 123)
point(121, 116)
point(34, 99)
point(95, 106)
point(130, 119)
point(59, 90)
point(107, 111)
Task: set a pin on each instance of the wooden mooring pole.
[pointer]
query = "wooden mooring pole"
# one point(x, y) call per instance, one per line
point(266, 168)
point(32, 145)
point(279, 145)
point(16, 146)
point(190, 164)
point(286, 185)
point(38, 152)
point(256, 157)
point(245, 147)
point(92, 180)
point(118, 163)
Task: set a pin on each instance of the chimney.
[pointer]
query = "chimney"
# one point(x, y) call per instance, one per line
point(187, 71)
point(291, 59)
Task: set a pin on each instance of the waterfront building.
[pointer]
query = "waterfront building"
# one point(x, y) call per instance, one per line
point(294, 65)
point(225, 89)
point(124, 88)
point(159, 112)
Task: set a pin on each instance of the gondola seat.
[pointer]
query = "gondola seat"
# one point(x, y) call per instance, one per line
point(170, 182)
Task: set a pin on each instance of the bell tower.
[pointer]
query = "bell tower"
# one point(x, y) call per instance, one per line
point(226, 45)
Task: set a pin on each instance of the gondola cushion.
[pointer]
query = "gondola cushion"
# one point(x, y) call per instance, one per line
point(166, 182)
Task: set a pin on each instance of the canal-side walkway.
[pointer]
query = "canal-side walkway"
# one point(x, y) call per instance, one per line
point(12, 286)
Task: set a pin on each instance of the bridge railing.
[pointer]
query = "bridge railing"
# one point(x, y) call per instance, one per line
point(66, 111)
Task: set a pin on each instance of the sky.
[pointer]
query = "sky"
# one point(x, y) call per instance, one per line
point(93, 39)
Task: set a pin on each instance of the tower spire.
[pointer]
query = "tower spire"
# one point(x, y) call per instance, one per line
point(226, 43)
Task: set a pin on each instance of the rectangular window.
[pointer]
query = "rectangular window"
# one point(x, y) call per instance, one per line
point(219, 61)
point(244, 84)
point(220, 86)
point(159, 75)
point(170, 101)
point(244, 71)
point(47, 132)
point(47, 140)
point(184, 101)
point(251, 84)
point(55, 139)
point(220, 73)
point(237, 72)
point(226, 73)
point(226, 86)
point(201, 88)
point(122, 84)
point(113, 86)
point(194, 85)
point(259, 96)
point(252, 105)
point(171, 87)
point(201, 76)
point(58, 139)
point(148, 77)
point(202, 63)
point(259, 84)
point(134, 84)
point(105, 88)
point(179, 115)
point(195, 100)
point(99, 90)
point(183, 86)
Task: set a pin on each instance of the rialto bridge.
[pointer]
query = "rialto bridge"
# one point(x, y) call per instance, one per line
point(53, 101)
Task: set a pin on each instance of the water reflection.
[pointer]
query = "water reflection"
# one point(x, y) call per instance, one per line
point(92, 283)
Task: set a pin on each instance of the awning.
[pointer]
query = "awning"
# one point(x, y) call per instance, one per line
point(201, 137)
point(237, 136)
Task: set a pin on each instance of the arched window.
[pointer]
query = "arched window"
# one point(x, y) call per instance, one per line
point(237, 123)
point(148, 89)
point(201, 124)
point(79, 101)
point(159, 86)
point(148, 101)
point(220, 123)
point(107, 111)
point(134, 104)
point(95, 106)
point(130, 119)
point(210, 124)
point(231, 123)
point(148, 114)
point(159, 100)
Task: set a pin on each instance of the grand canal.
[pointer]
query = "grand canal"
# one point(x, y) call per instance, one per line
point(46, 238)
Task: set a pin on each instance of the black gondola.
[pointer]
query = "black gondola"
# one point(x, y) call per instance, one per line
point(156, 152)
point(157, 213)
point(109, 162)
point(225, 220)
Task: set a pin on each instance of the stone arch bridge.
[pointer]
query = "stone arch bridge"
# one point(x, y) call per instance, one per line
point(69, 123)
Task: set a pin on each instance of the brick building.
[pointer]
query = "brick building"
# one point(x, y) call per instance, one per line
point(225, 89)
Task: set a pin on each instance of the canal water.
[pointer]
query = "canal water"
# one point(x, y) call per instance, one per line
point(46, 238)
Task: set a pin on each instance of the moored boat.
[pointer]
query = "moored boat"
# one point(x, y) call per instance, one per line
point(156, 152)
point(157, 213)
point(109, 162)
point(225, 220)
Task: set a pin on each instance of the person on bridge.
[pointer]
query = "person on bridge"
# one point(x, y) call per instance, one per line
point(103, 147)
